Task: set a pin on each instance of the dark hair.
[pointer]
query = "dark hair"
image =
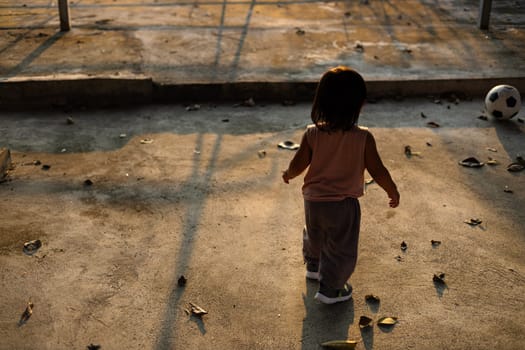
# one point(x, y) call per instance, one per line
point(338, 99)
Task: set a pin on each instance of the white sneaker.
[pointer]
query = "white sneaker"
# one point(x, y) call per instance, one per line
point(312, 271)
point(332, 296)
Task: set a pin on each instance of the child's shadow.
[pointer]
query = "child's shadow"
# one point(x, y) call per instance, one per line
point(324, 322)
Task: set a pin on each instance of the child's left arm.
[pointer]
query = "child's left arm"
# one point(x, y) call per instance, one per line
point(299, 162)
point(379, 172)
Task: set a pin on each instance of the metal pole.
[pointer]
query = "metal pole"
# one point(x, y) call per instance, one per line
point(484, 13)
point(63, 12)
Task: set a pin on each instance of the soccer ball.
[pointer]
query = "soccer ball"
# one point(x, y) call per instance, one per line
point(503, 102)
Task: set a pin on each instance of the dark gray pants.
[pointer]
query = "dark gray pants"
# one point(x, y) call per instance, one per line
point(331, 237)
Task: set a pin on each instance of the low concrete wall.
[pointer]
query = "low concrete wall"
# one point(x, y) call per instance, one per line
point(477, 87)
point(238, 92)
point(304, 91)
point(111, 91)
point(75, 90)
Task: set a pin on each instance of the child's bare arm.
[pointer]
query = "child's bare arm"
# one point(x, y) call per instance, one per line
point(299, 162)
point(379, 172)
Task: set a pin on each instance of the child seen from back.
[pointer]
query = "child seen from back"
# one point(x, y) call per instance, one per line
point(336, 152)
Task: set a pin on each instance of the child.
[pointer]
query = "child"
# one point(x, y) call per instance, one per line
point(337, 152)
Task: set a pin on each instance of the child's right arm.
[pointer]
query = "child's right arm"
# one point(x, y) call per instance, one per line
point(300, 161)
point(379, 172)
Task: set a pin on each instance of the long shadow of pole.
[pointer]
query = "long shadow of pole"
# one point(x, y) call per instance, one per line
point(237, 57)
point(17, 69)
point(165, 339)
point(24, 35)
point(34, 55)
point(219, 37)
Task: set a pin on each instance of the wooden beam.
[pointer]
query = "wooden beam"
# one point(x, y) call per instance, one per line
point(484, 13)
point(63, 12)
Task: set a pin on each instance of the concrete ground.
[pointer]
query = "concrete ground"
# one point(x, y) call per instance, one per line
point(126, 200)
point(199, 194)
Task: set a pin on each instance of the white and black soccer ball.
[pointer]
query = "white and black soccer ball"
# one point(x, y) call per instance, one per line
point(503, 102)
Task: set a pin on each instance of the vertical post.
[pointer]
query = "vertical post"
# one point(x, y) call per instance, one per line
point(484, 13)
point(63, 12)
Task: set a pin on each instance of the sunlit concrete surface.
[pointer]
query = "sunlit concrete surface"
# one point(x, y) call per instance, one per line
point(184, 42)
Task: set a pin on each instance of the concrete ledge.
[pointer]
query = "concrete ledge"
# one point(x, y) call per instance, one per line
point(304, 91)
point(268, 91)
point(473, 87)
point(5, 162)
point(74, 90)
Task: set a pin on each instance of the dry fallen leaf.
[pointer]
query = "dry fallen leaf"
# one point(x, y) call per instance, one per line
point(339, 344)
point(288, 145)
point(473, 221)
point(387, 321)
point(365, 321)
point(409, 152)
point(197, 310)
point(439, 278)
point(515, 167)
point(248, 103)
point(27, 313)
point(181, 282)
point(194, 107)
point(299, 31)
point(471, 162)
point(371, 298)
point(32, 246)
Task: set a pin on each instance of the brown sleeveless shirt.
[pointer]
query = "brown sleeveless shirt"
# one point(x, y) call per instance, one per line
point(337, 166)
